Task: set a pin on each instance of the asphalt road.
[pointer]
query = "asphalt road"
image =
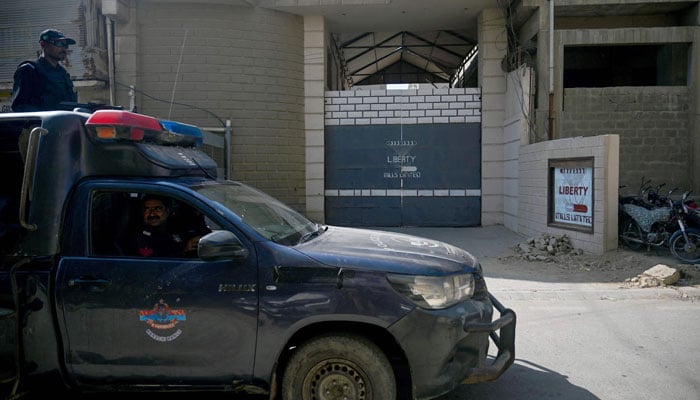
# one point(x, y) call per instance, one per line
point(603, 348)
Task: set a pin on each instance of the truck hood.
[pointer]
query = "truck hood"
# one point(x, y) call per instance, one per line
point(387, 251)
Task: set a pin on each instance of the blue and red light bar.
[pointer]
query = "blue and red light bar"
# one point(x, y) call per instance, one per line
point(119, 125)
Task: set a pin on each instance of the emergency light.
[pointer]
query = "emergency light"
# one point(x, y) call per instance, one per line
point(185, 129)
point(119, 125)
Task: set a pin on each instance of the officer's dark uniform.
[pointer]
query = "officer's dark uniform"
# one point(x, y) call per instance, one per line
point(39, 86)
point(150, 242)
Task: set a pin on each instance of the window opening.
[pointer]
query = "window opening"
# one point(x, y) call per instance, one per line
point(635, 65)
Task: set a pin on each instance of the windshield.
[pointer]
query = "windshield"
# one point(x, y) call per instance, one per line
point(265, 214)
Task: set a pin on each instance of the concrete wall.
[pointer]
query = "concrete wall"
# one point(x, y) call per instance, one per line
point(652, 123)
point(655, 124)
point(533, 189)
point(205, 63)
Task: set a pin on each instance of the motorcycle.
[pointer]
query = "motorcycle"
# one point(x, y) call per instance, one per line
point(652, 220)
point(685, 242)
point(635, 217)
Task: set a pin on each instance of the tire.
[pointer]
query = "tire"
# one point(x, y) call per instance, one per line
point(338, 367)
point(686, 251)
point(631, 234)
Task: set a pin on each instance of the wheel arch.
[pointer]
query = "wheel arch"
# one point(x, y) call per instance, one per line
point(378, 335)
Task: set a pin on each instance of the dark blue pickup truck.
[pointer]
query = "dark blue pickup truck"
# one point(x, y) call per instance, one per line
point(268, 302)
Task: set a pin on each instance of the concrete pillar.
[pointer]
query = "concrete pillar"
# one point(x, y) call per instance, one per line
point(541, 131)
point(314, 90)
point(126, 48)
point(492, 79)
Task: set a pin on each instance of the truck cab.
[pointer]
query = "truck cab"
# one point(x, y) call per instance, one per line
point(268, 302)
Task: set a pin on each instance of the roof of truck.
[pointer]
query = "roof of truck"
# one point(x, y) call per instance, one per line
point(111, 142)
point(63, 147)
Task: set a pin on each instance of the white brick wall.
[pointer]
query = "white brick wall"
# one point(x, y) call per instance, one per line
point(385, 107)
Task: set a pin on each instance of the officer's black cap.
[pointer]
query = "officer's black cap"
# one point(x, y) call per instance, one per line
point(49, 35)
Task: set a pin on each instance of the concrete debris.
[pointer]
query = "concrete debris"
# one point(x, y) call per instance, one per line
point(658, 275)
point(556, 253)
point(547, 248)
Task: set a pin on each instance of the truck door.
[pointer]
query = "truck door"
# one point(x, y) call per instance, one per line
point(129, 319)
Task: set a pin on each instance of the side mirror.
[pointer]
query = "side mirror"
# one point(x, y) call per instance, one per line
point(221, 245)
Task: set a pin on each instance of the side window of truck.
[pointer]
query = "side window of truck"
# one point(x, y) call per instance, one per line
point(145, 225)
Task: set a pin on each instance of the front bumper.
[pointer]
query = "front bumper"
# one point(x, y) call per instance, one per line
point(504, 341)
point(446, 348)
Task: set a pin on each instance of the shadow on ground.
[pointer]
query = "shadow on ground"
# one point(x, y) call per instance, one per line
point(523, 380)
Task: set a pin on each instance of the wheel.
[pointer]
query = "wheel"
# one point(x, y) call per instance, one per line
point(631, 234)
point(686, 251)
point(338, 367)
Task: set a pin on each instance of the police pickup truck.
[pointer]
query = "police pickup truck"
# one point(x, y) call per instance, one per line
point(270, 303)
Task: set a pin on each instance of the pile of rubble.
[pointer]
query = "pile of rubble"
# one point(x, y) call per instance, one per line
point(559, 251)
point(658, 275)
point(546, 249)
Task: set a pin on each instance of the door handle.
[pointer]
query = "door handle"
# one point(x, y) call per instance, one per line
point(94, 283)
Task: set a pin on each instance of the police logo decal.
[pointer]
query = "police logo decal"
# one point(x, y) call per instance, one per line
point(162, 321)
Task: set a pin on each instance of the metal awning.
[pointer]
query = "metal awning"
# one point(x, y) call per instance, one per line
point(403, 57)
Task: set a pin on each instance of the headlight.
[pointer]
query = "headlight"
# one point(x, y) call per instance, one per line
point(434, 292)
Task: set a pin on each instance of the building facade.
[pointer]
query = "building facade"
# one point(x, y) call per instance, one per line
point(547, 70)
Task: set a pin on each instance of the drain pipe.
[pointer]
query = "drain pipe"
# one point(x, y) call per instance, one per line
point(110, 61)
point(227, 151)
point(551, 70)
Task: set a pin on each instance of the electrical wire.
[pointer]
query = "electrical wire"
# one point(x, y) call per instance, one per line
point(177, 73)
point(221, 121)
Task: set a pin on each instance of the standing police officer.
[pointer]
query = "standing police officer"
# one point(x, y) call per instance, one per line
point(43, 84)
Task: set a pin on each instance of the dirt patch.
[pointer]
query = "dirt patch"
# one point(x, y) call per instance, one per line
point(623, 266)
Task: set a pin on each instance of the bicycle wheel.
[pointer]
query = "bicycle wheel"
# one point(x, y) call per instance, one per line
point(687, 251)
point(631, 234)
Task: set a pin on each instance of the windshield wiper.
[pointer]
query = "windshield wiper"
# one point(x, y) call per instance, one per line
point(308, 236)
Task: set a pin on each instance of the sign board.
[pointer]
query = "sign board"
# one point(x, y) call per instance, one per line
point(571, 194)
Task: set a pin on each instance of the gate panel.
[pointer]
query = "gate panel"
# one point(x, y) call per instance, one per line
point(403, 175)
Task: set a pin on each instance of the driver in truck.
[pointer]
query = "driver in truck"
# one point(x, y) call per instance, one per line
point(154, 239)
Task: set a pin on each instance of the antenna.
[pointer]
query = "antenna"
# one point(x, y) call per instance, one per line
point(177, 74)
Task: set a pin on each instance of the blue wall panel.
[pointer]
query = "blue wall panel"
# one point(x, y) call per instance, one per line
point(441, 211)
point(364, 211)
point(401, 175)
